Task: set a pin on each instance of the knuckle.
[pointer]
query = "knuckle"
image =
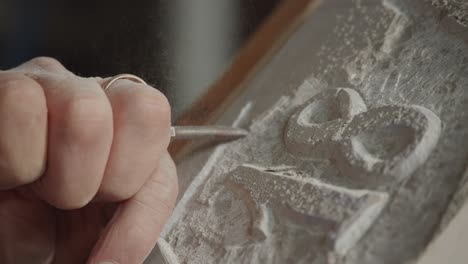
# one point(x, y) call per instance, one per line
point(154, 105)
point(149, 104)
point(86, 117)
point(19, 88)
point(20, 93)
point(22, 108)
point(47, 63)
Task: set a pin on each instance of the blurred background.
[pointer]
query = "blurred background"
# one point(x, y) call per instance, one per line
point(179, 46)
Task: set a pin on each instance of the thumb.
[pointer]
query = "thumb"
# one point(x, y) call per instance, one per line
point(133, 231)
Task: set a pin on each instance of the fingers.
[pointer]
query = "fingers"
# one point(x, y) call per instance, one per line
point(23, 130)
point(93, 141)
point(42, 66)
point(27, 230)
point(80, 133)
point(87, 141)
point(141, 134)
point(136, 225)
point(80, 137)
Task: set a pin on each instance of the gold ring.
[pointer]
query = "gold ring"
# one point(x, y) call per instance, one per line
point(126, 76)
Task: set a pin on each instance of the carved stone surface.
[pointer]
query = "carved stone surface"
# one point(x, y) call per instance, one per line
point(454, 8)
point(391, 141)
point(324, 212)
point(385, 154)
point(255, 204)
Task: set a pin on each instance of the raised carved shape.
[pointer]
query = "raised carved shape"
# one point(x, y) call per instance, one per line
point(376, 146)
point(312, 130)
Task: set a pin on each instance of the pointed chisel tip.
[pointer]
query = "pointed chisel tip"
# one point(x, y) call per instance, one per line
point(206, 132)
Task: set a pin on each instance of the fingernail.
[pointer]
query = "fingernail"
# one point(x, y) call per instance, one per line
point(108, 262)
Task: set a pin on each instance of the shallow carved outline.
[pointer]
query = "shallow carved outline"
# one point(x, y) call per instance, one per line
point(354, 211)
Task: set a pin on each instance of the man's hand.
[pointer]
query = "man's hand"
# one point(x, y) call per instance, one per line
point(85, 176)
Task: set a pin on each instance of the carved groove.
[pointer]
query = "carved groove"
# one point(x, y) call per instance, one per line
point(349, 213)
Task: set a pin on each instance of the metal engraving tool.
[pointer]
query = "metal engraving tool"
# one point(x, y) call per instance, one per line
point(218, 133)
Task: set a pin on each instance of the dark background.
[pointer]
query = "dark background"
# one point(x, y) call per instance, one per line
point(178, 46)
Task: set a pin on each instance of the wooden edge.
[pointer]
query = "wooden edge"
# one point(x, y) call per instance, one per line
point(271, 35)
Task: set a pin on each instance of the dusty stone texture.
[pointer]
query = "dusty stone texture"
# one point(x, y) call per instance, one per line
point(242, 212)
point(450, 245)
point(395, 55)
point(457, 9)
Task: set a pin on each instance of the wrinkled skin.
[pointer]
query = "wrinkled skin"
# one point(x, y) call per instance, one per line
point(85, 176)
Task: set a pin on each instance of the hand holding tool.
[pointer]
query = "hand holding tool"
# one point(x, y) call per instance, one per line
point(218, 133)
